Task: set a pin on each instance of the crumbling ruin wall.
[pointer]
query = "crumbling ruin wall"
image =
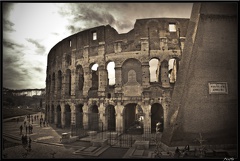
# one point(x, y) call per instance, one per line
point(70, 61)
point(209, 58)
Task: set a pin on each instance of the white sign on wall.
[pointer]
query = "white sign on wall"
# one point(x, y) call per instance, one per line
point(218, 88)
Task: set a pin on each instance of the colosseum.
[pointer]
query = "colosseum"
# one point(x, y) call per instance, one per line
point(100, 79)
point(175, 76)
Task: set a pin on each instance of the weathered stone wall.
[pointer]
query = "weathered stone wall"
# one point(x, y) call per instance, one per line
point(131, 53)
point(210, 55)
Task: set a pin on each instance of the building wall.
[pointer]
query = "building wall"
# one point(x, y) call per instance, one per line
point(209, 56)
point(131, 53)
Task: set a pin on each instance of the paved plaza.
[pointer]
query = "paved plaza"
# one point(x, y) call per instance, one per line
point(46, 143)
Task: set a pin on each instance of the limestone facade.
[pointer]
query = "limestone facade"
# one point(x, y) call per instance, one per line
point(76, 95)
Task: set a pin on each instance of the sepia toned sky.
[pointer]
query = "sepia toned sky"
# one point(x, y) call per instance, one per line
point(30, 30)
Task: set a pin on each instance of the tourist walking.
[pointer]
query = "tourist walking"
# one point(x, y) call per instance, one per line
point(26, 129)
point(29, 143)
point(21, 128)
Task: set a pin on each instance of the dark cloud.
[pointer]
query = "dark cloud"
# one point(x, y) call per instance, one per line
point(121, 16)
point(6, 9)
point(91, 16)
point(12, 45)
point(74, 29)
point(40, 48)
point(8, 25)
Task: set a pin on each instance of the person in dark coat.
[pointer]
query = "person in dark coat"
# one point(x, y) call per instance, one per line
point(21, 128)
point(29, 143)
point(26, 129)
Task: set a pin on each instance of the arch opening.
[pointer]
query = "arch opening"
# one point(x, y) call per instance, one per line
point(79, 116)
point(156, 117)
point(111, 118)
point(68, 82)
point(67, 116)
point(93, 118)
point(154, 69)
point(59, 116)
point(132, 119)
point(59, 84)
point(111, 73)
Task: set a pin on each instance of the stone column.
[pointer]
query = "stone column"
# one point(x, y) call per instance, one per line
point(73, 119)
point(87, 81)
point(102, 83)
point(119, 117)
point(147, 118)
point(102, 115)
point(118, 75)
point(164, 74)
point(73, 83)
point(63, 84)
point(145, 75)
point(85, 116)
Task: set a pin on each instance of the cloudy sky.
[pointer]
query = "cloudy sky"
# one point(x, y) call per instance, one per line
point(30, 30)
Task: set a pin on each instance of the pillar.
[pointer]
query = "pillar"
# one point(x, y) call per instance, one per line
point(102, 83)
point(118, 75)
point(73, 120)
point(119, 117)
point(85, 116)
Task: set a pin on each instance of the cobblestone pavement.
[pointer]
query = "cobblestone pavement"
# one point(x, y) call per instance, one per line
point(46, 143)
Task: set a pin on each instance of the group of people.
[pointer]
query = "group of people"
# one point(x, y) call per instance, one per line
point(43, 122)
point(26, 141)
point(29, 128)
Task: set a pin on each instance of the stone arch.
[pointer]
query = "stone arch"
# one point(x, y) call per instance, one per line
point(59, 116)
point(67, 115)
point(79, 115)
point(93, 118)
point(95, 79)
point(111, 72)
point(157, 115)
point(110, 115)
point(131, 115)
point(154, 69)
point(68, 83)
point(132, 64)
